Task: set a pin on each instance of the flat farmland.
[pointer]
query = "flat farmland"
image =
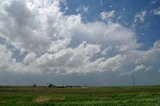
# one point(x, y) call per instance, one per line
point(89, 96)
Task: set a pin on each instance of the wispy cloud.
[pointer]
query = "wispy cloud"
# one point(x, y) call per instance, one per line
point(107, 16)
point(140, 17)
point(157, 11)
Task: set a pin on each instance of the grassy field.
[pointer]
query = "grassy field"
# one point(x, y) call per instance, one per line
point(90, 96)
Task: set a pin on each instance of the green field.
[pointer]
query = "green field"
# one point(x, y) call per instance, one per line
point(90, 96)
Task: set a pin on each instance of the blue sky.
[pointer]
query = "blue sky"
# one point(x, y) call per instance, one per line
point(93, 42)
point(147, 32)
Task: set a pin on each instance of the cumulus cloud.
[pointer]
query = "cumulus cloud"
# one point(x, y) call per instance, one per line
point(33, 26)
point(59, 43)
point(114, 35)
point(69, 60)
point(7, 63)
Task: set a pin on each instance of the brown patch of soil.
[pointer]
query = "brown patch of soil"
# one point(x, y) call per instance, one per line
point(42, 99)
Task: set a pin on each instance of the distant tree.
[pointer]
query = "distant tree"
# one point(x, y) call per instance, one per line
point(34, 85)
point(51, 85)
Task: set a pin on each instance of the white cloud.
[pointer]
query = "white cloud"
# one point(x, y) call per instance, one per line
point(29, 58)
point(113, 63)
point(34, 28)
point(157, 44)
point(83, 9)
point(140, 17)
point(60, 43)
point(107, 16)
point(107, 34)
point(139, 67)
point(153, 2)
point(8, 64)
point(69, 58)
point(157, 11)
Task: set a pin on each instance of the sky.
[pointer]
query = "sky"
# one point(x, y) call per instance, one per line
point(79, 42)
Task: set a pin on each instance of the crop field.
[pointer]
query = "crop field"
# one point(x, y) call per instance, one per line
point(89, 96)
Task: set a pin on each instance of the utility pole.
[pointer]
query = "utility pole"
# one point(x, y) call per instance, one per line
point(133, 81)
point(133, 85)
